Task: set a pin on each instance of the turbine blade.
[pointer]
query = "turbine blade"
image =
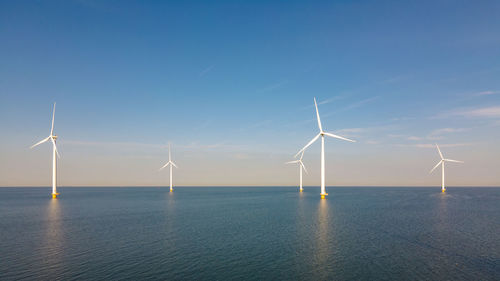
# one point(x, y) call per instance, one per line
point(317, 116)
point(174, 164)
point(303, 167)
point(169, 155)
point(55, 147)
point(439, 150)
point(40, 142)
point(291, 162)
point(437, 165)
point(164, 166)
point(338, 137)
point(451, 160)
point(53, 114)
point(307, 145)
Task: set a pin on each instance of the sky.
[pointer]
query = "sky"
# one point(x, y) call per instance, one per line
point(230, 84)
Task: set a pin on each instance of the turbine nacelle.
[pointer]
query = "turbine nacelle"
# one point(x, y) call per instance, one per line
point(51, 137)
point(170, 162)
point(300, 163)
point(321, 132)
point(441, 162)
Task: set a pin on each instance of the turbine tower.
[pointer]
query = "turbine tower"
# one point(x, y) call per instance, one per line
point(171, 163)
point(441, 162)
point(53, 139)
point(322, 135)
point(301, 166)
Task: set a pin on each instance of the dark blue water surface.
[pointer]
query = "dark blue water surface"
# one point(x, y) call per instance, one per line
point(250, 233)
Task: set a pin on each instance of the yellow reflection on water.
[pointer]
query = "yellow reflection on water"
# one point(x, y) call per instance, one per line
point(322, 247)
point(53, 223)
point(442, 213)
point(52, 250)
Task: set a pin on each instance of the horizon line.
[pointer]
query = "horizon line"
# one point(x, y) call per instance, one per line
point(291, 186)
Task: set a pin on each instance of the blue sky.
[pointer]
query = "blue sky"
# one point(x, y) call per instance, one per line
point(231, 85)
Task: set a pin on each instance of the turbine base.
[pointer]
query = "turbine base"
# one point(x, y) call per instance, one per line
point(54, 195)
point(323, 195)
point(171, 190)
point(301, 190)
point(443, 190)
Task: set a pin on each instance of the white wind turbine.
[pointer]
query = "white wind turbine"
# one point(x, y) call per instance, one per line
point(322, 134)
point(441, 162)
point(52, 138)
point(171, 163)
point(301, 166)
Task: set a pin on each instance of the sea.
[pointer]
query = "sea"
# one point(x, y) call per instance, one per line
point(250, 233)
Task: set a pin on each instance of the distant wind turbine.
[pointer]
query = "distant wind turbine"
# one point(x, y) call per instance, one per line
point(322, 134)
point(171, 163)
point(52, 138)
point(441, 162)
point(301, 166)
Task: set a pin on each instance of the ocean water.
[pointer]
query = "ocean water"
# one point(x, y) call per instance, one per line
point(250, 233)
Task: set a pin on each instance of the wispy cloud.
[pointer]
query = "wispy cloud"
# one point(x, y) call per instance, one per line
point(352, 106)
point(189, 146)
point(433, 145)
point(213, 146)
point(360, 103)
point(406, 137)
point(205, 71)
point(484, 112)
point(443, 131)
point(436, 134)
point(356, 132)
point(326, 101)
point(486, 93)
point(402, 118)
point(273, 86)
point(329, 100)
point(113, 144)
point(396, 135)
point(394, 79)
point(352, 130)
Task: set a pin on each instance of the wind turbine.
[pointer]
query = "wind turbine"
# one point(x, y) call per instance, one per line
point(301, 166)
point(53, 139)
point(171, 163)
point(441, 162)
point(322, 134)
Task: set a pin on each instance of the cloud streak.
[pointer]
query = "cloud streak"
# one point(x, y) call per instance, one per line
point(486, 93)
point(273, 86)
point(205, 71)
point(189, 146)
point(443, 131)
point(329, 100)
point(436, 134)
point(484, 112)
point(360, 103)
point(433, 145)
point(489, 112)
point(356, 132)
